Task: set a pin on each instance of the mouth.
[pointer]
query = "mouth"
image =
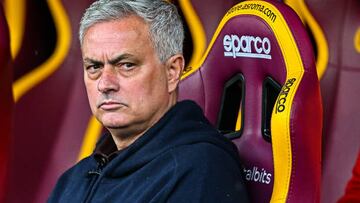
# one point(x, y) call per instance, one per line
point(110, 105)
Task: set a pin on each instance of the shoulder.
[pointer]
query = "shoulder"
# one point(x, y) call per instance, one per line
point(205, 157)
point(205, 154)
point(208, 174)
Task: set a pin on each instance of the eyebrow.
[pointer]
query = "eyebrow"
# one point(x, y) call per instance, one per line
point(121, 57)
point(112, 61)
point(92, 61)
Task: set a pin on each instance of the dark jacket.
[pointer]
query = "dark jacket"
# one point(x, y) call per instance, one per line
point(182, 158)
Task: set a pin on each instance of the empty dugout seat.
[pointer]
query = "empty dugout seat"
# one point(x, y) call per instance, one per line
point(51, 113)
point(257, 83)
point(340, 87)
point(6, 102)
point(337, 42)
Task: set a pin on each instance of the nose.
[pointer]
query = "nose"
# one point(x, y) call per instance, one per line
point(108, 81)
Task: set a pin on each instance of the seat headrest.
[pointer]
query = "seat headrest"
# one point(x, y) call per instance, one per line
point(258, 79)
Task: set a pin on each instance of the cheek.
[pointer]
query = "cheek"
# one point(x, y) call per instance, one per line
point(153, 86)
point(92, 94)
point(159, 83)
point(153, 92)
point(137, 93)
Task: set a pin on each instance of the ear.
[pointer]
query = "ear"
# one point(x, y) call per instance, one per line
point(175, 67)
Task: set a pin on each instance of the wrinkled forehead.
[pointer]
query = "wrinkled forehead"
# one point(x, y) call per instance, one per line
point(124, 31)
point(116, 27)
point(108, 40)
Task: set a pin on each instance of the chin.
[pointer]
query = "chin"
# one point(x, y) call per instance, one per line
point(114, 122)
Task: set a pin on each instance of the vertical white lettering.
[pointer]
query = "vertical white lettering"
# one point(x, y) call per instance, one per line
point(268, 178)
point(256, 42)
point(227, 43)
point(266, 45)
point(236, 46)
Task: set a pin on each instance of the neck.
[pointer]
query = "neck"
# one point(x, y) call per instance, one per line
point(123, 143)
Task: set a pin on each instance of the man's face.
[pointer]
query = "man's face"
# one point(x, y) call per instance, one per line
point(127, 85)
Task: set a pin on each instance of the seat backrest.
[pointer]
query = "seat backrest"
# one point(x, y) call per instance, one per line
point(6, 101)
point(257, 83)
point(337, 42)
point(51, 114)
point(340, 87)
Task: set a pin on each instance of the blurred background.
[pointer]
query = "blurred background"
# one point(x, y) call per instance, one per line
point(45, 121)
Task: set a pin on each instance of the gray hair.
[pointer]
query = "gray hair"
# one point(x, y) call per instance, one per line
point(166, 28)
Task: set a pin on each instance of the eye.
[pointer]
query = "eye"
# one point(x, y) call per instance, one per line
point(127, 66)
point(92, 69)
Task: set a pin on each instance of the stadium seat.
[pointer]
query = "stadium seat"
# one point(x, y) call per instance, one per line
point(336, 40)
point(6, 101)
point(257, 83)
point(340, 87)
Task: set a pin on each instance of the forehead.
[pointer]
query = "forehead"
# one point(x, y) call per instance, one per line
point(126, 31)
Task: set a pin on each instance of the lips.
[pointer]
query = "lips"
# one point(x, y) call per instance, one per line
point(110, 105)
